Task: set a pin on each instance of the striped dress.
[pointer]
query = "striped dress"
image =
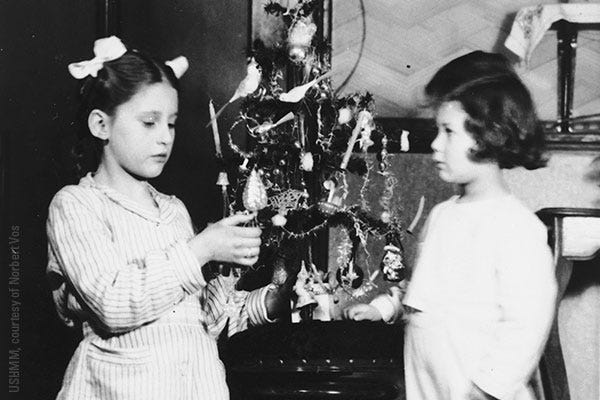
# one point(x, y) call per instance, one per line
point(128, 278)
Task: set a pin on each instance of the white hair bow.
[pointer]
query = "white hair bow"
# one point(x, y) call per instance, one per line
point(179, 65)
point(105, 49)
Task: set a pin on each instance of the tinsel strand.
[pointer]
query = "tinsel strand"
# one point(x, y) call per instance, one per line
point(364, 188)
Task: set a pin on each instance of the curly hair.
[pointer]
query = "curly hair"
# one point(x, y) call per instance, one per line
point(117, 82)
point(501, 114)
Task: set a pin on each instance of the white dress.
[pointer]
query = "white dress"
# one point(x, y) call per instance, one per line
point(485, 294)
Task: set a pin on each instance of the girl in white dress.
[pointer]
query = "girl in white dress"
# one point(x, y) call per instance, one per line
point(481, 298)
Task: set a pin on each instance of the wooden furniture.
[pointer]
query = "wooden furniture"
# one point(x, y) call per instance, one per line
point(552, 365)
point(314, 360)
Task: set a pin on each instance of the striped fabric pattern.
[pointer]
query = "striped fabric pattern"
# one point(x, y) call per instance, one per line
point(149, 318)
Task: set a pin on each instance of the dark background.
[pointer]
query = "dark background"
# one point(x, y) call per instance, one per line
point(39, 99)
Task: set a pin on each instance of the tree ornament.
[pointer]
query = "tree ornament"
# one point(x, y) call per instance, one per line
point(383, 167)
point(285, 201)
point(247, 86)
point(267, 126)
point(344, 116)
point(306, 162)
point(392, 265)
point(297, 93)
point(297, 54)
point(255, 193)
point(329, 207)
point(299, 39)
point(350, 276)
point(365, 138)
point(301, 288)
point(404, 142)
point(244, 166)
point(279, 219)
point(386, 217)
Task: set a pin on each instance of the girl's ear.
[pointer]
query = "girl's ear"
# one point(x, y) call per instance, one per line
point(98, 124)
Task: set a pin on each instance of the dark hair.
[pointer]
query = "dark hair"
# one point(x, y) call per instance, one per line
point(116, 83)
point(501, 114)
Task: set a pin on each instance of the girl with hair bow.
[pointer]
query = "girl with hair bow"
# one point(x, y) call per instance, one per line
point(125, 264)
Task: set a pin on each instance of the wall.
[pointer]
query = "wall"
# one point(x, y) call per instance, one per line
point(38, 106)
point(405, 42)
point(572, 179)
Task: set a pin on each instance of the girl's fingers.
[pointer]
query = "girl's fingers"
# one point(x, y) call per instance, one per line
point(247, 252)
point(247, 261)
point(237, 219)
point(249, 232)
point(246, 242)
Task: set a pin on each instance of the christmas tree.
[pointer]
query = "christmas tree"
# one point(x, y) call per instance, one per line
point(303, 144)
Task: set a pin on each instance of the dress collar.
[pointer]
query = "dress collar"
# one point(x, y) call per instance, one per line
point(166, 204)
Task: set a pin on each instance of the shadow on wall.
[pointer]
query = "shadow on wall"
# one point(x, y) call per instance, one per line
point(593, 176)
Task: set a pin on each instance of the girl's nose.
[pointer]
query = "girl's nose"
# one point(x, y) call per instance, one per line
point(437, 144)
point(166, 134)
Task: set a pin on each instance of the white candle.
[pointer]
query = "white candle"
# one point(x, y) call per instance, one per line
point(362, 119)
point(215, 129)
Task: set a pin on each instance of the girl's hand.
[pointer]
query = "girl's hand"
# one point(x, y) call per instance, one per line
point(475, 393)
point(225, 241)
point(362, 312)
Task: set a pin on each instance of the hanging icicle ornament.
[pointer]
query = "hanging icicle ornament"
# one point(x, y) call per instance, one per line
point(383, 164)
point(385, 200)
point(255, 193)
point(299, 39)
point(392, 265)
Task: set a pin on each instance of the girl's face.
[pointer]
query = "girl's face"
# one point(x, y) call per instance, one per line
point(141, 131)
point(453, 144)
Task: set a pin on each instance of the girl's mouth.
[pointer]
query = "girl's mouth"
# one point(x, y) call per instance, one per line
point(163, 157)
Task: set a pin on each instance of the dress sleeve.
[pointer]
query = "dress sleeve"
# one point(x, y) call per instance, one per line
point(527, 290)
point(234, 309)
point(118, 294)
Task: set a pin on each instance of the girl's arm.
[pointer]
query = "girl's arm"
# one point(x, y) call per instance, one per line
point(240, 309)
point(527, 298)
point(119, 295)
point(234, 309)
point(386, 307)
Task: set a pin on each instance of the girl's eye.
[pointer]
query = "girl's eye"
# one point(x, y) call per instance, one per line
point(172, 126)
point(148, 124)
